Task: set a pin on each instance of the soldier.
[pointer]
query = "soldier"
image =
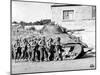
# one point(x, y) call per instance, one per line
point(35, 52)
point(25, 51)
point(30, 50)
point(43, 50)
point(12, 51)
point(18, 52)
point(51, 48)
point(58, 49)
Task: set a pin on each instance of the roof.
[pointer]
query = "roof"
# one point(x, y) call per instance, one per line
point(62, 5)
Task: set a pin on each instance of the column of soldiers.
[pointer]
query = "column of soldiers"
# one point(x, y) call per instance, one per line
point(37, 49)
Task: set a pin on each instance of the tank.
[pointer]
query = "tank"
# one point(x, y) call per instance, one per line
point(73, 46)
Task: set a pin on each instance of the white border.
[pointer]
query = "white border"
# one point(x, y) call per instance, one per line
point(5, 37)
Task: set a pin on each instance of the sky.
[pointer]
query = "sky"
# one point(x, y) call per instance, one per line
point(30, 11)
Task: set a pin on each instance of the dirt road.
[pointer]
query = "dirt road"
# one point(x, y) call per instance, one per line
point(32, 67)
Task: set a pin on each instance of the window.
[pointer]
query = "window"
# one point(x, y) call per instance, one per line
point(93, 12)
point(68, 14)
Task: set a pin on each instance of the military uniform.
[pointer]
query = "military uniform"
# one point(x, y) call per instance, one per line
point(25, 51)
point(58, 49)
point(18, 53)
point(12, 52)
point(51, 48)
point(29, 52)
point(43, 50)
point(35, 52)
point(17, 49)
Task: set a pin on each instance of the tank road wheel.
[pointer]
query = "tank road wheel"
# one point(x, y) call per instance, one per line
point(75, 51)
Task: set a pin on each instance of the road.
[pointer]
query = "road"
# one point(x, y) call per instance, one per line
point(33, 67)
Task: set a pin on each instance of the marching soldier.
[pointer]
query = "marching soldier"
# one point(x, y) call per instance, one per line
point(38, 49)
point(43, 50)
point(25, 51)
point(12, 51)
point(35, 52)
point(59, 50)
point(18, 50)
point(51, 48)
point(30, 50)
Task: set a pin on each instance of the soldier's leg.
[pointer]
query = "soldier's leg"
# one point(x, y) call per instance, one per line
point(45, 54)
point(19, 55)
point(41, 55)
point(57, 58)
point(30, 55)
point(56, 54)
point(49, 54)
point(52, 56)
point(14, 54)
point(33, 56)
point(26, 55)
point(38, 55)
point(60, 56)
point(16, 57)
point(22, 55)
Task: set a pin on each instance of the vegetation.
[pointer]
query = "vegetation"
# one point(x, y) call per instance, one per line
point(41, 22)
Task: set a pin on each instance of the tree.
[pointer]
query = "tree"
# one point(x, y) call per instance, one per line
point(15, 22)
point(30, 23)
point(22, 23)
point(42, 22)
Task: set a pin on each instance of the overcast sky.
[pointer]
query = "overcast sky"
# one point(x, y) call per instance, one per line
point(30, 11)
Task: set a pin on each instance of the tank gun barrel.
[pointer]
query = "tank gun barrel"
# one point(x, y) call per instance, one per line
point(76, 30)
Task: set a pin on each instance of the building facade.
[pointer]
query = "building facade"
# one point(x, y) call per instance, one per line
point(77, 17)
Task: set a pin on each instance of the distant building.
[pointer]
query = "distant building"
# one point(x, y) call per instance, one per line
point(77, 17)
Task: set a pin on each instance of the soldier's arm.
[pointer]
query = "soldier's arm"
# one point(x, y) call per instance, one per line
point(39, 43)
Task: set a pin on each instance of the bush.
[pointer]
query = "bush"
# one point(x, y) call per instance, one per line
point(32, 28)
point(42, 22)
